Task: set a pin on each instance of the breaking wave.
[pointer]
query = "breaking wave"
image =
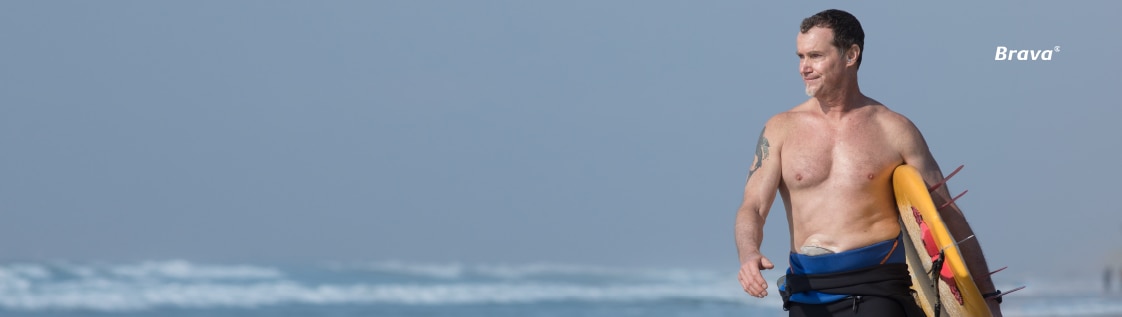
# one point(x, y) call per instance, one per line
point(523, 271)
point(183, 284)
point(153, 285)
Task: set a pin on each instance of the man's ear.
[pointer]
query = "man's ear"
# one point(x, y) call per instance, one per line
point(851, 55)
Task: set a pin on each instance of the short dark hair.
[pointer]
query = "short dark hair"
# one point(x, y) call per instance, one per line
point(847, 30)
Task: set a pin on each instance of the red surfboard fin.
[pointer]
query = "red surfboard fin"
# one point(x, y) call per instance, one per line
point(1014, 290)
point(945, 179)
point(948, 203)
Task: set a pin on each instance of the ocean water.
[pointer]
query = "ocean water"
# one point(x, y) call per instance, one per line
point(393, 288)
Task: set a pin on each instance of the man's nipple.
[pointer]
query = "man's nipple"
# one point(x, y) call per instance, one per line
point(798, 176)
point(871, 176)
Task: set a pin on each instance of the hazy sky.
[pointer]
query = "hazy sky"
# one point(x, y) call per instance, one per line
point(596, 132)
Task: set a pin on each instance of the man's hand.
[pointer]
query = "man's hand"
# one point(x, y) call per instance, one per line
point(750, 277)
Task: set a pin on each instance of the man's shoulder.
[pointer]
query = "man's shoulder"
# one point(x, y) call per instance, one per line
point(795, 118)
point(890, 119)
point(790, 116)
point(783, 121)
point(896, 125)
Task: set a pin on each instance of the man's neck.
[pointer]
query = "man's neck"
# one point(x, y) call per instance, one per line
point(842, 101)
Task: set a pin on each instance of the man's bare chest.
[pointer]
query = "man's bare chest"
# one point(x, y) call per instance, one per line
point(852, 158)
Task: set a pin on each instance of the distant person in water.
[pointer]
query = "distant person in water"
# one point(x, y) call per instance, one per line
point(1107, 279)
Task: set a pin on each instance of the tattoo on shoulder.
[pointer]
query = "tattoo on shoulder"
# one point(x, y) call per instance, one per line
point(761, 153)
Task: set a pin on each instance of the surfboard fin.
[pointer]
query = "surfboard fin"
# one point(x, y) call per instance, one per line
point(949, 202)
point(956, 243)
point(998, 294)
point(945, 179)
point(1014, 290)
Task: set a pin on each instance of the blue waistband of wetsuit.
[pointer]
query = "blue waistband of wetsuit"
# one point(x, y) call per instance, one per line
point(856, 259)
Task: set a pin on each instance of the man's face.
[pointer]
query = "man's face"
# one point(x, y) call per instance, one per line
point(820, 63)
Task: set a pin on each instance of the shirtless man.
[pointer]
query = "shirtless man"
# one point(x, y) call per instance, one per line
point(831, 159)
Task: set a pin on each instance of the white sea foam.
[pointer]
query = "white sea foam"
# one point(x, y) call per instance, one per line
point(178, 283)
point(32, 271)
point(109, 295)
point(443, 271)
point(15, 277)
point(182, 284)
point(179, 269)
point(549, 269)
point(1064, 306)
point(524, 271)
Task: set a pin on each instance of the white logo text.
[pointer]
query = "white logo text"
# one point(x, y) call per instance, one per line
point(1006, 54)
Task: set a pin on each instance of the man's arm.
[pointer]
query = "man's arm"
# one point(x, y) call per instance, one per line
point(759, 193)
point(916, 153)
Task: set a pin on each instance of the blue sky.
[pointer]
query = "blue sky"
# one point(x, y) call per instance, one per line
point(610, 133)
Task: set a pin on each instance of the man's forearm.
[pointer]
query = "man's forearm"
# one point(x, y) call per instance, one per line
point(749, 232)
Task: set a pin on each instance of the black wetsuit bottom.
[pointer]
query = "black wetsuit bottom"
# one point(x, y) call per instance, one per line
point(852, 306)
point(882, 290)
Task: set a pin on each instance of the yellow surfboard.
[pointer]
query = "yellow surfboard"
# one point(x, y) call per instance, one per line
point(925, 236)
